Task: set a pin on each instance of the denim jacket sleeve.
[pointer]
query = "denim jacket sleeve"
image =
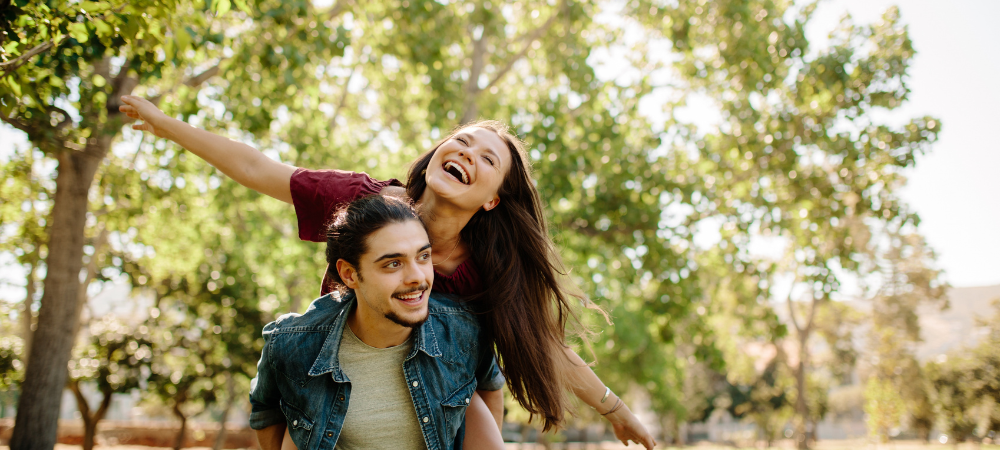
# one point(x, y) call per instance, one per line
point(264, 395)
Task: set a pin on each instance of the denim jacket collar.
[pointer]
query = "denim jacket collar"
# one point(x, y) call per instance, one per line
point(328, 359)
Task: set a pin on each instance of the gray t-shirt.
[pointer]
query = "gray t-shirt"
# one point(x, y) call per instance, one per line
point(380, 414)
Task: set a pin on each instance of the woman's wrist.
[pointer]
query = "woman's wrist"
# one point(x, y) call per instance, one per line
point(169, 127)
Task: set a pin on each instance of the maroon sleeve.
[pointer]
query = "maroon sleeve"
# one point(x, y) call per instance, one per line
point(316, 194)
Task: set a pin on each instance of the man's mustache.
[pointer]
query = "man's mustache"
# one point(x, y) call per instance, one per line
point(422, 287)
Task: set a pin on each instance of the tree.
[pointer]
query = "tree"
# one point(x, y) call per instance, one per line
point(114, 360)
point(65, 66)
point(26, 196)
point(902, 278)
point(796, 152)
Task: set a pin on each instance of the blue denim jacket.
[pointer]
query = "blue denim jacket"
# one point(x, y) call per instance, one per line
point(300, 382)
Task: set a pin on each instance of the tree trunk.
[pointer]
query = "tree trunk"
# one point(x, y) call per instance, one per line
point(801, 408)
point(220, 437)
point(181, 433)
point(90, 421)
point(470, 109)
point(27, 315)
point(58, 317)
point(668, 428)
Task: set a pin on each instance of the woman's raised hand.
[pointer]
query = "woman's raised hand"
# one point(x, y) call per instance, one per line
point(627, 428)
point(141, 109)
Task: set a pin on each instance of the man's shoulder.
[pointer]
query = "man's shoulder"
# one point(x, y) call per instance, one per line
point(320, 316)
point(448, 304)
point(457, 318)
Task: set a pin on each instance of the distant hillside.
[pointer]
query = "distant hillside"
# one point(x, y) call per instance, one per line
point(955, 327)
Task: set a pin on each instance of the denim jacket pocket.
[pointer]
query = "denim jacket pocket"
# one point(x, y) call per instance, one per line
point(455, 405)
point(299, 425)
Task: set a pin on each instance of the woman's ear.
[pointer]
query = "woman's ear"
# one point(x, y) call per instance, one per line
point(348, 274)
point(491, 204)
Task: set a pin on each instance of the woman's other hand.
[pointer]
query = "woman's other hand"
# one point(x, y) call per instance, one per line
point(628, 428)
point(141, 109)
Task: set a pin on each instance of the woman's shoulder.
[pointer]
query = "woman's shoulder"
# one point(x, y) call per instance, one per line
point(340, 183)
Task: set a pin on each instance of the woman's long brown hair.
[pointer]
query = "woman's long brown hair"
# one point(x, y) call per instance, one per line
point(524, 304)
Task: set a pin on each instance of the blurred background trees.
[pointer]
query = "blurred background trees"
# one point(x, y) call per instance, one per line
point(661, 218)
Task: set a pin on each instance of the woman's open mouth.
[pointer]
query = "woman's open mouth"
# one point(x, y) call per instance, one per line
point(456, 171)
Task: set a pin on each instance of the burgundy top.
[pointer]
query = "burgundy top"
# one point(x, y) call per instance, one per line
point(316, 194)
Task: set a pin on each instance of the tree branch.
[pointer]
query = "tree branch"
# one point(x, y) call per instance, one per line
point(343, 97)
point(338, 9)
point(193, 82)
point(81, 401)
point(469, 110)
point(23, 126)
point(529, 39)
point(791, 309)
point(105, 405)
point(14, 64)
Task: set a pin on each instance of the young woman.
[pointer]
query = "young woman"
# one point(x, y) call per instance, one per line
point(490, 244)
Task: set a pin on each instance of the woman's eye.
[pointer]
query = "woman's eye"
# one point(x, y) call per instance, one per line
point(462, 140)
point(488, 159)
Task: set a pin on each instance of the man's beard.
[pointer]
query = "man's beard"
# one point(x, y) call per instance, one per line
point(395, 318)
point(403, 322)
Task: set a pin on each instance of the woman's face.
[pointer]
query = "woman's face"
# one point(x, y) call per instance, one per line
point(469, 168)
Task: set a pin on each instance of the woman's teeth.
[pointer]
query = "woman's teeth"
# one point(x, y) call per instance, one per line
point(457, 171)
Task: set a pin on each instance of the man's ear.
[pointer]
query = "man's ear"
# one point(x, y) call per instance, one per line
point(348, 274)
point(492, 203)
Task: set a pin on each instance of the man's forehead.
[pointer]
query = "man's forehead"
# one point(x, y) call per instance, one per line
point(401, 238)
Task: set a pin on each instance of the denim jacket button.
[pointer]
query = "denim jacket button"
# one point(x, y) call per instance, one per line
point(415, 384)
point(426, 419)
point(466, 401)
point(295, 423)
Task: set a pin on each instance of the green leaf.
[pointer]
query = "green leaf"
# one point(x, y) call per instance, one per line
point(242, 6)
point(11, 48)
point(222, 7)
point(183, 39)
point(79, 32)
point(14, 87)
point(103, 29)
point(94, 6)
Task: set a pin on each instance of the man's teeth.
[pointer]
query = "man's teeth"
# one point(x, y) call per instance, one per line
point(411, 296)
point(465, 176)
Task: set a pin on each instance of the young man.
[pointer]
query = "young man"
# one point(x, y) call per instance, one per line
point(382, 365)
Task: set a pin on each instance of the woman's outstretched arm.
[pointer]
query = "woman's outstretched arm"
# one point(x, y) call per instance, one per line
point(239, 161)
point(589, 388)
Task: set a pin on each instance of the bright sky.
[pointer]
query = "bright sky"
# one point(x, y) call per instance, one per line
point(955, 187)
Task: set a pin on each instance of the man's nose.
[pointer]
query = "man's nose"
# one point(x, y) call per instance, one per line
point(413, 275)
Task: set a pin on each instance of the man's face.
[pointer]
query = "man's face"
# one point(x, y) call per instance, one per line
point(395, 275)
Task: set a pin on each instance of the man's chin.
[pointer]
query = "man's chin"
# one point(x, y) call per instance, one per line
point(409, 323)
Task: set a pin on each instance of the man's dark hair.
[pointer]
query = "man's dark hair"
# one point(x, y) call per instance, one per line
point(347, 235)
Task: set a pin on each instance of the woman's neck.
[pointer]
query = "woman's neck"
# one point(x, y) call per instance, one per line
point(444, 226)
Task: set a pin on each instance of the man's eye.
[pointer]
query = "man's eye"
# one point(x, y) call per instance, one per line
point(393, 264)
point(425, 256)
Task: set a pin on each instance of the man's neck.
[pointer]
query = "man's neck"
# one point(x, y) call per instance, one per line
point(375, 329)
